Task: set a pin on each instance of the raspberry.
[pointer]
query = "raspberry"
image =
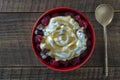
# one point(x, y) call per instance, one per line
point(38, 38)
point(82, 23)
point(76, 60)
point(83, 55)
point(54, 63)
point(77, 18)
point(38, 47)
point(55, 14)
point(88, 34)
point(45, 20)
point(63, 63)
point(44, 51)
point(85, 24)
point(69, 14)
point(48, 59)
point(88, 43)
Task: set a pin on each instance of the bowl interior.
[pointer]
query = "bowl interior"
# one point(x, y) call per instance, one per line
point(89, 31)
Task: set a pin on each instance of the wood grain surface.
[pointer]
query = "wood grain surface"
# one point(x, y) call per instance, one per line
point(42, 73)
point(43, 5)
point(17, 60)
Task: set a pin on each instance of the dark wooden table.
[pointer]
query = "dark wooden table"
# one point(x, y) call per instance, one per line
point(17, 61)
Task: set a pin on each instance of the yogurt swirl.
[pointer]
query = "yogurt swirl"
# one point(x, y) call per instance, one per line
point(64, 38)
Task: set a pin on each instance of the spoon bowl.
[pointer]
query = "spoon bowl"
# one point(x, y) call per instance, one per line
point(104, 14)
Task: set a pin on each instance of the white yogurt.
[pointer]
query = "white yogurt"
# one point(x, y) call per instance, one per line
point(62, 39)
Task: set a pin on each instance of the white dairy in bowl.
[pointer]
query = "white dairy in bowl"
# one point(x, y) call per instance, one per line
point(64, 38)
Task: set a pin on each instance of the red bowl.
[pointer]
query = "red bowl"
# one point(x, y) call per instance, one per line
point(84, 57)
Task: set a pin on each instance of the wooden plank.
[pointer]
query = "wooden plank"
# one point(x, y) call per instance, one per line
point(43, 5)
point(41, 73)
point(15, 45)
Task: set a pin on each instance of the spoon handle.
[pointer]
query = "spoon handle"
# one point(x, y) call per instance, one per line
point(106, 54)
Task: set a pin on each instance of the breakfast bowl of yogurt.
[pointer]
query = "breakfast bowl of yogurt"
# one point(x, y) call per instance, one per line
point(63, 39)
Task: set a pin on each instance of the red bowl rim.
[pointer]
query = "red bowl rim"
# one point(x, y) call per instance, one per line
point(92, 32)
